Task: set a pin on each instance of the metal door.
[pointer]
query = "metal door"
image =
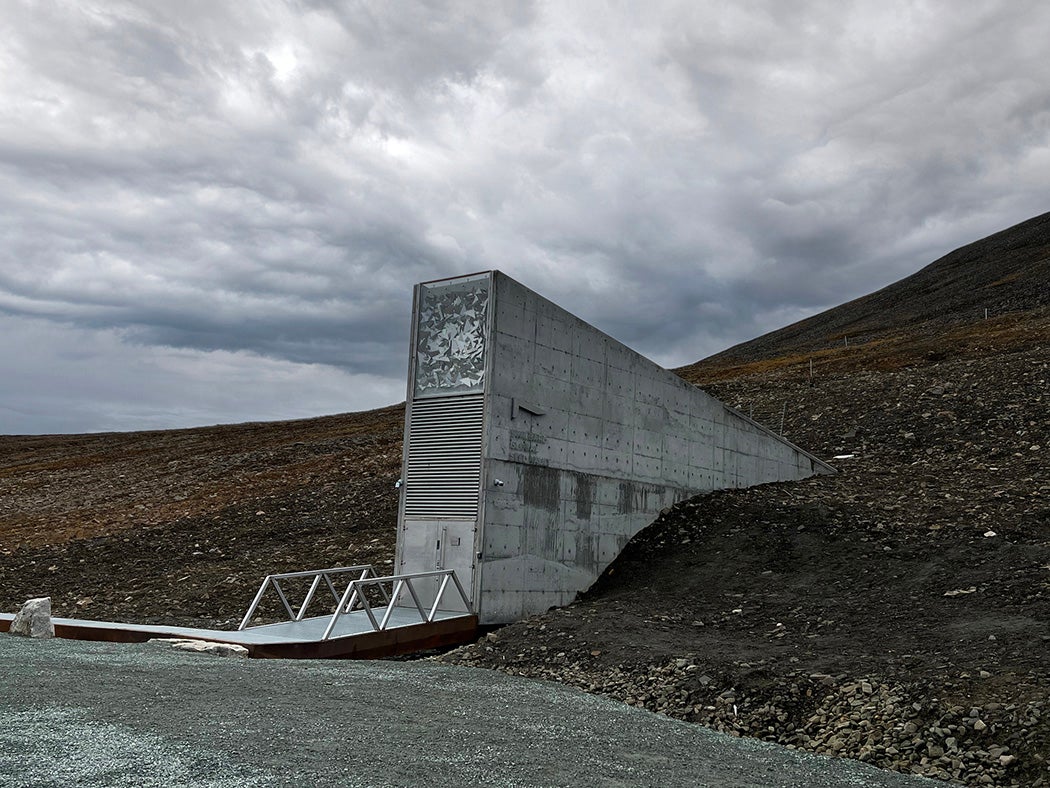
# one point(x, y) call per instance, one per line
point(429, 545)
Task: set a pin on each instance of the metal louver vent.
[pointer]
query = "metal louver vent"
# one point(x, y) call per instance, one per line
point(444, 457)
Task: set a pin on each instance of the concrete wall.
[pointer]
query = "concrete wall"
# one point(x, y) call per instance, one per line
point(590, 441)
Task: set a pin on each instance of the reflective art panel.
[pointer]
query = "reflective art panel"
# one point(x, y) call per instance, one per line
point(450, 337)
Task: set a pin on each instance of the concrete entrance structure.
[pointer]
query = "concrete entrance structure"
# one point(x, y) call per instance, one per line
point(536, 446)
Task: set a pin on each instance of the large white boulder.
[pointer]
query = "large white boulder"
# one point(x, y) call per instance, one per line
point(34, 619)
point(203, 646)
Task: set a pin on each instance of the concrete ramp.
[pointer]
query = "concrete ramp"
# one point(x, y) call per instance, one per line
point(536, 446)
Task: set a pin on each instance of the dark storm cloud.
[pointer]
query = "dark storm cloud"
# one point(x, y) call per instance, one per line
point(202, 197)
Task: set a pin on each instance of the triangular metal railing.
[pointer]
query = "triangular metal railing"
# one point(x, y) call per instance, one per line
point(318, 576)
point(390, 589)
point(399, 584)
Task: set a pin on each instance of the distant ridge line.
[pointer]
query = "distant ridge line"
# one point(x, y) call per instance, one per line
point(1008, 271)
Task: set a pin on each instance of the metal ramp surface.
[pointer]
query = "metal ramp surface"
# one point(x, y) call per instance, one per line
point(357, 628)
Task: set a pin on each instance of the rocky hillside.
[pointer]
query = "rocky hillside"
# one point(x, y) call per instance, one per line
point(1004, 274)
point(180, 526)
point(898, 612)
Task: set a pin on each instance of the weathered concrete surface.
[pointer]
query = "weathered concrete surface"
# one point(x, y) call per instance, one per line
point(592, 440)
point(96, 714)
point(33, 620)
point(537, 446)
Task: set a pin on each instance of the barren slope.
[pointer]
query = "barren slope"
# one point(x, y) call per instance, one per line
point(1007, 274)
point(898, 612)
point(865, 614)
point(179, 526)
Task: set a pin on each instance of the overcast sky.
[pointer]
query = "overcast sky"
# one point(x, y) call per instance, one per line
point(215, 211)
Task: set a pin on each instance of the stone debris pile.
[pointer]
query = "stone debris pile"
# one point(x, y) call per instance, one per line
point(895, 726)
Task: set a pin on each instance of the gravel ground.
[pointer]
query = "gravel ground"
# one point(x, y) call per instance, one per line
point(97, 714)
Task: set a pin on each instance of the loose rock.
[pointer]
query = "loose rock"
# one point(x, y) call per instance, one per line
point(33, 620)
point(204, 647)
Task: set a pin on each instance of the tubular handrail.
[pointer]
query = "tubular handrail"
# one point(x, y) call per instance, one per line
point(354, 596)
point(399, 584)
point(319, 575)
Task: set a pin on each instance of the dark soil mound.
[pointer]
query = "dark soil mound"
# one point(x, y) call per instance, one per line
point(880, 612)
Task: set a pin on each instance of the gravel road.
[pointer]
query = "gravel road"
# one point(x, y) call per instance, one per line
point(99, 714)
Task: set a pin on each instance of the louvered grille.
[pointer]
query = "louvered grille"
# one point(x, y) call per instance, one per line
point(444, 457)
